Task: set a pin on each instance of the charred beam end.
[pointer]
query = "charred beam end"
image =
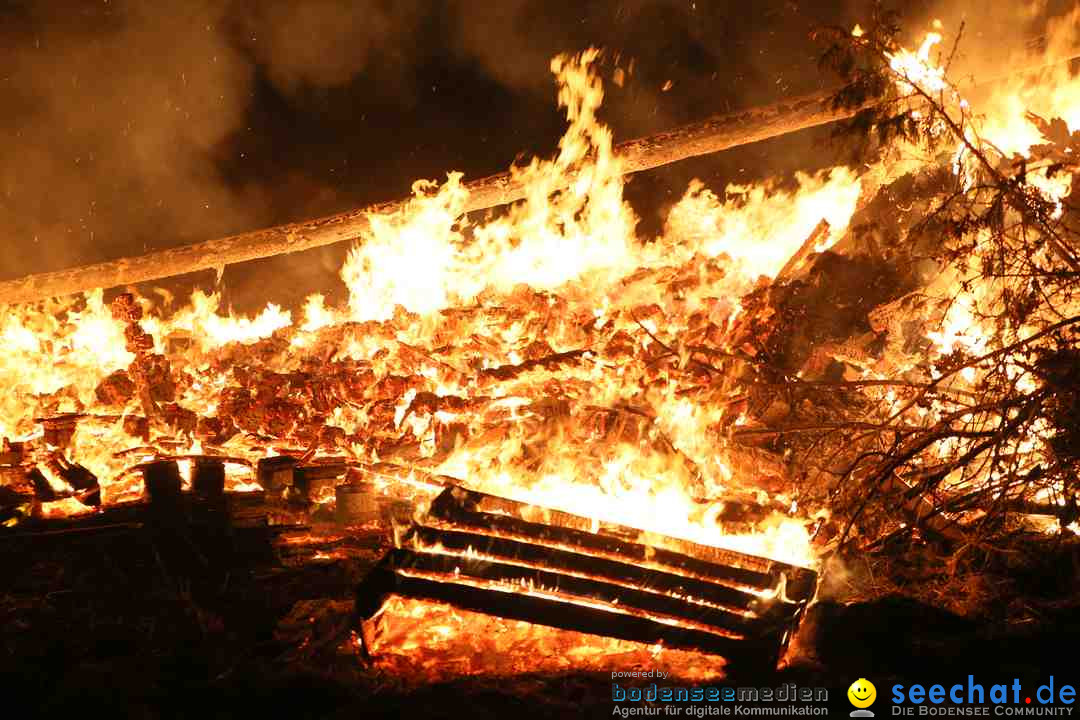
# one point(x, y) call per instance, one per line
point(395, 511)
point(164, 488)
point(275, 474)
point(210, 507)
point(208, 480)
point(357, 503)
point(284, 476)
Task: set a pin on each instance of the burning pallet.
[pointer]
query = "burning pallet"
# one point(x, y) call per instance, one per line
point(500, 557)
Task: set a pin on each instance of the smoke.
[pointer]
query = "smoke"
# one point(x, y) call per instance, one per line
point(117, 115)
point(121, 117)
point(685, 58)
point(132, 126)
point(325, 43)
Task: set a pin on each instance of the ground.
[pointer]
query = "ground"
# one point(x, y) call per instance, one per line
point(105, 622)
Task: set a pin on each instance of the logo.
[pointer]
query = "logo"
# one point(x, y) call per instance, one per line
point(862, 695)
point(974, 698)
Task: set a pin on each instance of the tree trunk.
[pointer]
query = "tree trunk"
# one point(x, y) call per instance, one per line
point(717, 133)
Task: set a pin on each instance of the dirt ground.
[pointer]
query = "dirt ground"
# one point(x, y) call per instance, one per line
point(107, 624)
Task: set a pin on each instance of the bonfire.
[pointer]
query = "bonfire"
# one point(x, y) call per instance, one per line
point(789, 383)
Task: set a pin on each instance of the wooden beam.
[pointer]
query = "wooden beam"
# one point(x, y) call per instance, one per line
point(713, 135)
point(383, 582)
point(582, 588)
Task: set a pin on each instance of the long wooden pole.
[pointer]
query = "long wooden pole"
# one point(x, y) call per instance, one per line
point(718, 133)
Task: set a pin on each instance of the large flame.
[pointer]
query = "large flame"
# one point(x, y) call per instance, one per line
point(1053, 91)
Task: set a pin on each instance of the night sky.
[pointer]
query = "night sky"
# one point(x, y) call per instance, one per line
point(132, 126)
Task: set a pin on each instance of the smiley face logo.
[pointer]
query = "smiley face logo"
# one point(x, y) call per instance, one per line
point(862, 693)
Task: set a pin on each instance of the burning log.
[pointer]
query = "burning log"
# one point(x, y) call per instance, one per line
point(713, 135)
point(553, 361)
point(57, 478)
point(821, 231)
point(500, 557)
point(43, 490)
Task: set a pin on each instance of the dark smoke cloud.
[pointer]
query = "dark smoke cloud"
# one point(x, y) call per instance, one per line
point(121, 117)
point(113, 115)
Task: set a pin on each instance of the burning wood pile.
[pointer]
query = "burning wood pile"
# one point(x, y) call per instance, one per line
point(656, 441)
